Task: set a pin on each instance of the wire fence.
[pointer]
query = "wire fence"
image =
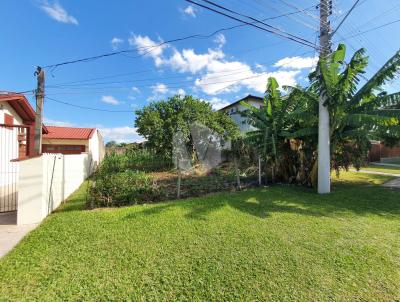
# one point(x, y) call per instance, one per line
point(141, 176)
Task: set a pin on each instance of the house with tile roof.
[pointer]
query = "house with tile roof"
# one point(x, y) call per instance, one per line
point(73, 140)
point(234, 110)
point(17, 138)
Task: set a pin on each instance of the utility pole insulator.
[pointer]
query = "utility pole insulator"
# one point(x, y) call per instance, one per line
point(39, 73)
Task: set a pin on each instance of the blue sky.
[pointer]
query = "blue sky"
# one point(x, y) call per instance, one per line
point(219, 69)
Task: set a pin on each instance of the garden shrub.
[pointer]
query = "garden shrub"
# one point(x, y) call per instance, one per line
point(140, 160)
point(123, 188)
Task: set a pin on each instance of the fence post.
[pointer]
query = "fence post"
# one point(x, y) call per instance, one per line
point(178, 194)
point(237, 173)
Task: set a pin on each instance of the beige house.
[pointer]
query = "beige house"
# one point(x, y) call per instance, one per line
point(72, 140)
point(234, 109)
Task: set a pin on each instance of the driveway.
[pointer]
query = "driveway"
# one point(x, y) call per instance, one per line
point(10, 233)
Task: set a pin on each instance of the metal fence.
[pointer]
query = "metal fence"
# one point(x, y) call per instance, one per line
point(14, 144)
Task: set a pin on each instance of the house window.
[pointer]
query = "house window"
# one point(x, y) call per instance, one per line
point(64, 149)
point(8, 120)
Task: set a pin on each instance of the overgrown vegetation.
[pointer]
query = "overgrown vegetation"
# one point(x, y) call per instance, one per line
point(123, 188)
point(286, 132)
point(145, 177)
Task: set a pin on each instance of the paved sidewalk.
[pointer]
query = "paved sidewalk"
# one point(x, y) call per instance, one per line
point(375, 172)
point(10, 233)
point(395, 183)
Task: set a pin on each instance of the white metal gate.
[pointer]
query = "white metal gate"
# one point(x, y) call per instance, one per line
point(13, 146)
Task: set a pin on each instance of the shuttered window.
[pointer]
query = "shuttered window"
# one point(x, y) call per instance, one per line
point(8, 120)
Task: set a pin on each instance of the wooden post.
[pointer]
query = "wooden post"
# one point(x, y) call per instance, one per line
point(39, 110)
point(259, 170)
point(237, 173)
point(178, 193)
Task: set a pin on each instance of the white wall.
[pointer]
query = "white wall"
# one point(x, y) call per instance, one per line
point(46, 181)
point(96, 148)
point(6, 108)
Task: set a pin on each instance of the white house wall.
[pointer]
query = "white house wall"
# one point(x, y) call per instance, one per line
point(234, 113)
point(96, 148)
point(6, 108)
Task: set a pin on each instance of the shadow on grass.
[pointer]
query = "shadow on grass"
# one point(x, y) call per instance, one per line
point(356, 198)
point(359, 195)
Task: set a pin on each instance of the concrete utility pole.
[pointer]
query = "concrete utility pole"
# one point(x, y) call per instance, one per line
point(324, 170)
point(39, 73)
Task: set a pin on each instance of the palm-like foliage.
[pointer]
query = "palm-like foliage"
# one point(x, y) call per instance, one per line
point(273, 123)
point(356, 115)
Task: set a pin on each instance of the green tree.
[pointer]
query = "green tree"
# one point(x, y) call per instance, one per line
point(273, 124)
point(159, 121)
point(358, 113)
point(111, 144)
point(286, 132)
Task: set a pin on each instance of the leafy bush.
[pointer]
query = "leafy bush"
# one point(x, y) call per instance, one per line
point(123, 188)
point(140, 160)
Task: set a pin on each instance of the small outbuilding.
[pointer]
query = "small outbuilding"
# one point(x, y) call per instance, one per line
point(72, 140)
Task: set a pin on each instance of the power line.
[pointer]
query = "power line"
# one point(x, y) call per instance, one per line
point(259, 2)
point(88, 108)
point(345, 17)
point(372, 29)
point(274, 30)
point(150, 48)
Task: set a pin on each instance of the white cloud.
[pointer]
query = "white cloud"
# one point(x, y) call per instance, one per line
point(297, 62)
point(121, 134)
point(135, 89)
point(190, 10)
point(214, 74)
point(218, 103)
point(116, 42)
point(109, 99)
point(159, 88)
point(147, 46)
point(180, 91)
point(52, 122)
point(57, 12)
point(220, 40)
point(189, 61)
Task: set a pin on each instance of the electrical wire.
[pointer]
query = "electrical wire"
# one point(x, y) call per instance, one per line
point(372, 29)
point(152, 47)
point(272, 31)
point(345, 17)
point(88, 108)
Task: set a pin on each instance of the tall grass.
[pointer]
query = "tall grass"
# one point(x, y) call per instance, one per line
point(137, 160)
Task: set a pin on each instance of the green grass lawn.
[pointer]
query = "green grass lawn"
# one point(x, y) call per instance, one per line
point(283, 243)
point(385, 169)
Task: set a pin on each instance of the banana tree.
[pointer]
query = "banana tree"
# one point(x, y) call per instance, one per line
point(272, 123)
point(357, 115)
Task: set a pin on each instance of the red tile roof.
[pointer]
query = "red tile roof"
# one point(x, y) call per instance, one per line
point(55, 132)
point(20, 104)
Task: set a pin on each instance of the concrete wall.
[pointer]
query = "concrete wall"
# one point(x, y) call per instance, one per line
point(46, 181)
point(96, 148)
